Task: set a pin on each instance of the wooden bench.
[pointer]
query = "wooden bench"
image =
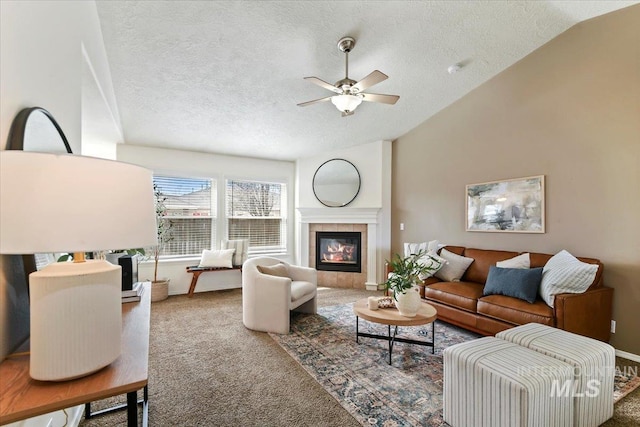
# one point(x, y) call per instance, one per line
point(197, 271)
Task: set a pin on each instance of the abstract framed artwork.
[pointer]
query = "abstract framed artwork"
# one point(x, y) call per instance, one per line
point(512, 206)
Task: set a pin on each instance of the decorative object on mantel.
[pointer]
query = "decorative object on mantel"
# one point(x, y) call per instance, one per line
point(512, 205)
point(336, 183)
point(406, 275)
point(75, 306)
point(164, 231)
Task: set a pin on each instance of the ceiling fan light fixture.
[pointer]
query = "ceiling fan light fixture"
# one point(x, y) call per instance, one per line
point(346, 103)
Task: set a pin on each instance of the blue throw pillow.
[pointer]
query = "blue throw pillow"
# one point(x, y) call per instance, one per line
point(522, 283)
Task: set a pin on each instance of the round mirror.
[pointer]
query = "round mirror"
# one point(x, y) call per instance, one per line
point(35, 129)
point(336, 183)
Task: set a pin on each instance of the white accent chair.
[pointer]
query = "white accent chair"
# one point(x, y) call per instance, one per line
point(267, 299)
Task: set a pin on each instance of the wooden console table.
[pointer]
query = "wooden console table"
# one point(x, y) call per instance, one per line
point(22, 397)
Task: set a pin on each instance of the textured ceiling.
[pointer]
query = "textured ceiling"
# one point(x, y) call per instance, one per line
point(225, 76)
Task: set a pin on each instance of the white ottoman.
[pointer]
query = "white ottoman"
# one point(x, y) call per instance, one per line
point(593, 366)
point(491, 382)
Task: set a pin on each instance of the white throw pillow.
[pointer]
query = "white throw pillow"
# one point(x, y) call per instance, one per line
point(455, 267)
point(221, 258)
point(415, 248)
point(520, 261)
point(564, 273)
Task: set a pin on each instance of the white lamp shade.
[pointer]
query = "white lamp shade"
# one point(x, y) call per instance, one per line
point(70, 203)
point(346, 102)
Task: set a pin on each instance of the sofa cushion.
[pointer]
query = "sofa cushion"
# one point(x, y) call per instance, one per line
point(483, 259)
point(454, 268)
point(463, 295)
point(564, 273)
point(515, 311)
point(300, 288)
point(521, 261)
point(279, 270)
point(514, 282)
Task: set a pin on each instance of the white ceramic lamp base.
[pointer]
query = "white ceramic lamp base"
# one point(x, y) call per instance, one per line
point(76, 319)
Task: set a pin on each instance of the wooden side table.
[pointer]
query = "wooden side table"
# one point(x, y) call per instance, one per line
point(391, 317)
point(23, 397)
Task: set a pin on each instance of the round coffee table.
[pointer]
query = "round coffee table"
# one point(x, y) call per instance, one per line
point(391, 317)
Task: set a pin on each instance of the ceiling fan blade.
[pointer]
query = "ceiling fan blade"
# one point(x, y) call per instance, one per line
point(324, 84)
point(348, 113)
point(315, 101)
point(373, 78)
point(376, 97)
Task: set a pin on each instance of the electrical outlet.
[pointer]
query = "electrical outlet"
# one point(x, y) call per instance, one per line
point(402, 226)
point(613, 326)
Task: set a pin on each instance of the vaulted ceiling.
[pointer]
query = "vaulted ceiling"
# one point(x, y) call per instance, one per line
point(225, 76)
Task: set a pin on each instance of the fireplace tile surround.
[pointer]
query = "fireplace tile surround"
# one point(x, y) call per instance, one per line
point(339, 279)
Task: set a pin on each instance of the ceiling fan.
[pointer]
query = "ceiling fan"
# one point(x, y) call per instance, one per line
point(349, 93)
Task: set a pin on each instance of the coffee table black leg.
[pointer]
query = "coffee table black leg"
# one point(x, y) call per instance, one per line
point(357, 334)
point(433, 337)
point(391, 341)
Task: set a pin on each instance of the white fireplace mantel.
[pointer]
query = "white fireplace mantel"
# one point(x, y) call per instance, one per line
point(339, 215)
point(369, 216)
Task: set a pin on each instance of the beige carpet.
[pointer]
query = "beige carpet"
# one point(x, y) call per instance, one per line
point(207, 369)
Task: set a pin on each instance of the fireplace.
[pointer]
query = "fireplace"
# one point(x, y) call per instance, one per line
point(338, 251)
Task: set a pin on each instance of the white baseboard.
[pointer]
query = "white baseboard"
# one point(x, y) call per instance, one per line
point(371, 286)
point(626, 355)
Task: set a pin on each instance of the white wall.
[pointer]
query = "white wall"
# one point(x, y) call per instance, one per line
point(219, 167)
point(41, 47)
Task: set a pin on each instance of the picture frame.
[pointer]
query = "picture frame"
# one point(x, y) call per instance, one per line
point(506, 206)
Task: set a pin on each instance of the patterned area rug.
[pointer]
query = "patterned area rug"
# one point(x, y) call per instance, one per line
point(406, 393)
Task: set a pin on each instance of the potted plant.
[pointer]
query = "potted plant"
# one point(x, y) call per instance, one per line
point(160, 287)
point(407, 273)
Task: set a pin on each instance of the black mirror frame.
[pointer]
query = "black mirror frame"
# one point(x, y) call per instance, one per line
point(19, 124)
point(313, 186)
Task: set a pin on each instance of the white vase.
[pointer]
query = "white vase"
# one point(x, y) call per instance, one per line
point(409, 303)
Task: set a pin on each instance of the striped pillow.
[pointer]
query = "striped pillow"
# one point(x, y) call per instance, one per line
point(564, 273)
point(241, 246)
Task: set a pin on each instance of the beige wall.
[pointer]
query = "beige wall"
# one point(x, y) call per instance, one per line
point(569, 111)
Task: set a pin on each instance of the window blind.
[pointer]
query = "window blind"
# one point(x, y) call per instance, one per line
point(257, 211)
point(191, 209)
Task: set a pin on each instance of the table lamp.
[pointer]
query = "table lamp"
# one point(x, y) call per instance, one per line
point(68, 203)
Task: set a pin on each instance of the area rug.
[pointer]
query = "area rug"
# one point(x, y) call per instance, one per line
point(406, 393)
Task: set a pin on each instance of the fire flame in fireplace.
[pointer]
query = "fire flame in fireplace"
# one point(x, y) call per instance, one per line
point(337, 251)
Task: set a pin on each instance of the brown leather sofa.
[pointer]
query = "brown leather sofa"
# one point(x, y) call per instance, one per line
point(462, 304)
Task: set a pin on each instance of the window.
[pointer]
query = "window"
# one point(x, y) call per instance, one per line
point(192, 212)
point(257, 211)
